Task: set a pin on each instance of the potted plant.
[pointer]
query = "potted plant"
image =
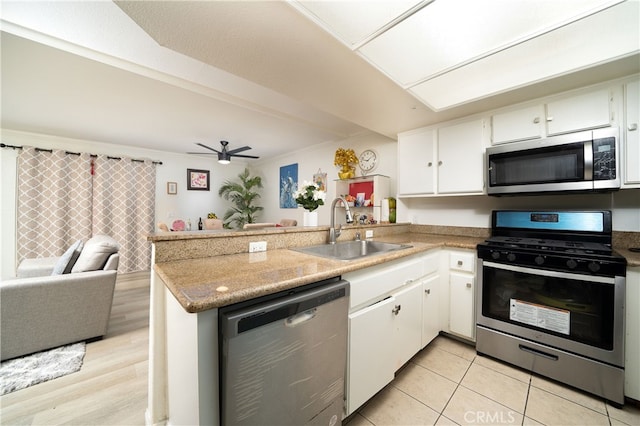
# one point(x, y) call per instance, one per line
point(310, 197)
point(346, 159)
point(243, 195)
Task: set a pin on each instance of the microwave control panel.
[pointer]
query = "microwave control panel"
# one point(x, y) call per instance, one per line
point(604, 159)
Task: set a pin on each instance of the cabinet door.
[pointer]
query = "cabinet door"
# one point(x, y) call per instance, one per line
point(632, 132)
point(518, 125)
point(407, 323)
point(588, 111)
point(371, 363)
point(461, 158)
point(632, 338)
point(461, 306)
point(416, 164)
point(430, 309)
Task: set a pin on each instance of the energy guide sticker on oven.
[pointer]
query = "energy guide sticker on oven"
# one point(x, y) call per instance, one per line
point(539, 316)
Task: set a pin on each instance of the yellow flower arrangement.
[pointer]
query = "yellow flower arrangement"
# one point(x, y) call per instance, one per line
point(345, 158)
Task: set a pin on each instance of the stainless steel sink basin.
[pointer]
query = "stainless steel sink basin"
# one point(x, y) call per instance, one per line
point(349, 250)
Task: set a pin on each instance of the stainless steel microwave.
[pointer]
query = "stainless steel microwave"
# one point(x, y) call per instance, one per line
point(584, 161)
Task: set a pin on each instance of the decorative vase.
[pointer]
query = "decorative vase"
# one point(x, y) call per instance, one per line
point(310, 218)
point(347, 172)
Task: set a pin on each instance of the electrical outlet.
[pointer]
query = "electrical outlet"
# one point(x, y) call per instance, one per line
point(368, 233)
point(257, 246)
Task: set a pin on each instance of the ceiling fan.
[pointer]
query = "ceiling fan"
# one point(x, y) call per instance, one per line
point(224, 156)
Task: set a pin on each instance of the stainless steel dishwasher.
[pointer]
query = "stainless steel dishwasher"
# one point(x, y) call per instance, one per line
point(283, 357)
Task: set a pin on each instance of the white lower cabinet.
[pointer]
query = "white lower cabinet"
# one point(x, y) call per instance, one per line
point(430, 308)
point(407, 323)
point(632, 335)
point(371, 357)
point(462, 319)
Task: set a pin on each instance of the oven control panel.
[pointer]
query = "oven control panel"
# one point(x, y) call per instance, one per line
point(557, 262)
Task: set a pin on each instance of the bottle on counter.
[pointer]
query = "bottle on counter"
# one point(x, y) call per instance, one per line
point(188, 224)
point(200, 224)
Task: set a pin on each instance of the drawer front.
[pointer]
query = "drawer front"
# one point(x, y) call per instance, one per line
point(461, 261)
point(372, 283)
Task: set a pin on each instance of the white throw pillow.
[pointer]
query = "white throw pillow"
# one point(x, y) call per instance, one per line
point(68, 259)
point(95, 253)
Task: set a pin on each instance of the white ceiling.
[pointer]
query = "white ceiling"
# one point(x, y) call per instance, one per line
point(165, 75)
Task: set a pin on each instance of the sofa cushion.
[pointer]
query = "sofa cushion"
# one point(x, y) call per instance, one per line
point(95, 253)
point(68, 259)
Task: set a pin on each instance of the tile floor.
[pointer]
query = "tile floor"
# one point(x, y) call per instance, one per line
point(448, 384)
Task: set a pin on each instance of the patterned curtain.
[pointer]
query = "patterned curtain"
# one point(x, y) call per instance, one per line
point(54, 202)
point(66, 197)
point(123, 207)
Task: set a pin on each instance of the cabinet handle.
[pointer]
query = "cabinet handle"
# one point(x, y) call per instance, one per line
point(536, 120)
point(428, 291)
point(396, 309)
point(408, 282)
point(429, 164)
point(550, 118)
point(439, 163)
point(468, 285)
point(632, 127)
point(459, 262)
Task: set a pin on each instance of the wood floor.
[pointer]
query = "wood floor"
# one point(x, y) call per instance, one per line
point(111, 386)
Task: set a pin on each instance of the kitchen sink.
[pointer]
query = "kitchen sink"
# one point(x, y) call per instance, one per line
point(350, 250)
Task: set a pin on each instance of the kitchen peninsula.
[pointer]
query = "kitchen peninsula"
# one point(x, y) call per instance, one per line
point(195, 273)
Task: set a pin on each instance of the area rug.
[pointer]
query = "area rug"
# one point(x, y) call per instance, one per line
point(20, 373)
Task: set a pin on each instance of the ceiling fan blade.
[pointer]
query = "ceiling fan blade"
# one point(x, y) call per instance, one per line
point(202, 153)
point(233, 151)
point(243, 156)
point(207, 147)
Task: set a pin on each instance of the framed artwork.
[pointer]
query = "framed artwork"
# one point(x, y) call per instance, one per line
point(288, 186)
point(172, 188)
point(197, 180)
point(320, 179)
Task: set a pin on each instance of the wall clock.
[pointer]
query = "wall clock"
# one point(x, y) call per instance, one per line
point(367, 160)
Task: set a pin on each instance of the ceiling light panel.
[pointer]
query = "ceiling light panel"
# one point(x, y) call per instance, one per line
point(449, 33)
point(353, 22)
point(598, 39)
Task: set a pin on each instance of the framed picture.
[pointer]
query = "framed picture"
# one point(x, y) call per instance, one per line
point(320, 179)
point(172, 188)
point(288, 186)
point(197, 180)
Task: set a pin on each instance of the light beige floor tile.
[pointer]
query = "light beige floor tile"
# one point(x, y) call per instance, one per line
point(629, 414)
point(550, 409)
point(442, 362)
point(579, 397)
point(393, 407)
point(358, 420)
point(504, 368)
point(426, 386)
point(470, 408)
point(530, 422)
point(456, 347)
point(496, 386)
point(444, 421)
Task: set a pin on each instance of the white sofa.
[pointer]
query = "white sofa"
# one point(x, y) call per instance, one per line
point(40, 311)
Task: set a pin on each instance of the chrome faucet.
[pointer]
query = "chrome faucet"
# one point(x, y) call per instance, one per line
point(333, 232)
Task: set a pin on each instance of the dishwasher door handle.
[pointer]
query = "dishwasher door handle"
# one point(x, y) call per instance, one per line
point(298, 319)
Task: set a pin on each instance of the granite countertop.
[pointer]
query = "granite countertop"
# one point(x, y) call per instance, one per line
point(213, 282)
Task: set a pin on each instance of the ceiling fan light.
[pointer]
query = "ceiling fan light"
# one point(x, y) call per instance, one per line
point(224, 158)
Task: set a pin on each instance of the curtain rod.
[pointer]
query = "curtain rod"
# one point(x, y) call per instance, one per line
point(4, 145)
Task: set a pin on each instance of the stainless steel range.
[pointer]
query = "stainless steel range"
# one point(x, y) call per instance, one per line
point(551, 298)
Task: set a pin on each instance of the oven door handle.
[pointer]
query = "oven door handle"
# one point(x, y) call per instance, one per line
point(546, 273)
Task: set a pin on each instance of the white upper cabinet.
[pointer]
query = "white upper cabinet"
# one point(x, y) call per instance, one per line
point(461, 158)
point(442, 161)
point(588, 111)
point(585, 111)
point(631, 147)
point(518, 125)
point(416, 162)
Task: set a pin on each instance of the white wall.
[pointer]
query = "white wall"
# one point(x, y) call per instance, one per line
point(185, 205)
point(321, 157)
